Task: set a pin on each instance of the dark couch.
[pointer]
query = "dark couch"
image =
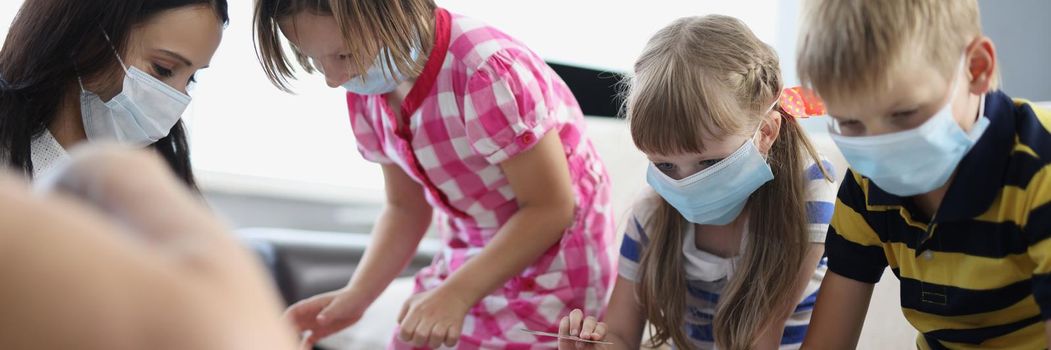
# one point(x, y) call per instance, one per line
point(305, 263)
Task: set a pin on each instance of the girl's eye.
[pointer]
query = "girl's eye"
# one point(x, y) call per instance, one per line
point(846, 123)
point(850, 127)
point(163, 72)
point(343, 57)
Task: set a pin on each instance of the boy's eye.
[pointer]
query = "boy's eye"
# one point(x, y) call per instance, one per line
point(193, 79)
point(904, 119)
point(904, 114)
point(665, 167)
point(708, 163)
point(161, 71)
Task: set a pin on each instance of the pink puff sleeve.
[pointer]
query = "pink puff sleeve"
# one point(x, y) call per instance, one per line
point(510, 105)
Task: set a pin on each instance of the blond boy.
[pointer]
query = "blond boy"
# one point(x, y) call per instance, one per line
point(949, 183)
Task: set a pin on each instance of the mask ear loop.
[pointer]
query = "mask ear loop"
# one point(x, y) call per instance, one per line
point(981, 99)
point(76, 69)
point(956, 79)
point(758, 128)
point(768, 110)
point(115, 53)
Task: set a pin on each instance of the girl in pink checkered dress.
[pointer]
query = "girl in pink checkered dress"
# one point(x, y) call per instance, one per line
point(476, 134)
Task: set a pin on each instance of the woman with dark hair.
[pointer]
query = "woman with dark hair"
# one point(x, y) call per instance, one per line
point(74, 71)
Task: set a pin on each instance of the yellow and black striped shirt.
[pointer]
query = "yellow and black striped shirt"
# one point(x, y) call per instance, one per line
point(979, 275)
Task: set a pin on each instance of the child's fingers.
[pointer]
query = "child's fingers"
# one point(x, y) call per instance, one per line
point(452, 336)
point(600, 331)
point(437, 336)
point(588, 327)
point(307, 343)
point(575, 318)
point(323, 332)
point(563, 329)
point(300, 317)
point(407, 328)
point(404, 310)
point(422, 332)
point(563, 326)
point(313, 337)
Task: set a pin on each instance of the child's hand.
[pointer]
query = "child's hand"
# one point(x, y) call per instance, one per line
point(325, 314)
point(433, 318)
point(587, 328)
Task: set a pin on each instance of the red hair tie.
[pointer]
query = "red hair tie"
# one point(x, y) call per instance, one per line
point(801, 103)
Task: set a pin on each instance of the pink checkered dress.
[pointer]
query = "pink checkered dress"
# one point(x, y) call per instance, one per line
point(482, 99)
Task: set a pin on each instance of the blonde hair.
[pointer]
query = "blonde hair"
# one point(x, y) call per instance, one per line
point(712, 76)
point(368, 27)
point(847, 47)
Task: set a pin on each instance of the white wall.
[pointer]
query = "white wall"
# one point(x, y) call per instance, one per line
point(605, 34)
point(1020, 34)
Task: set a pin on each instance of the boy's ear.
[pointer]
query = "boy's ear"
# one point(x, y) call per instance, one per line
point(769, 131)
point(981, 65)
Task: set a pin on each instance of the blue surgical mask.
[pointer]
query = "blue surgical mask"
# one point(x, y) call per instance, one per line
point(915, 161)
point(379, 80)
point(717, 194)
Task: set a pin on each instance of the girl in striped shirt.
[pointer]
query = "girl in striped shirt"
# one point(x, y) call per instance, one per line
point(728, 251)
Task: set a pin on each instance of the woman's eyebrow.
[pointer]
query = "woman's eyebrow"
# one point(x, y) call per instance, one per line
point(177, 56)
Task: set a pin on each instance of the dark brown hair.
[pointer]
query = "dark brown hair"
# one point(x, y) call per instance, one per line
point(48, 43)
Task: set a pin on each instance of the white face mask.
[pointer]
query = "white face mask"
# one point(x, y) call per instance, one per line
point(142, 113)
